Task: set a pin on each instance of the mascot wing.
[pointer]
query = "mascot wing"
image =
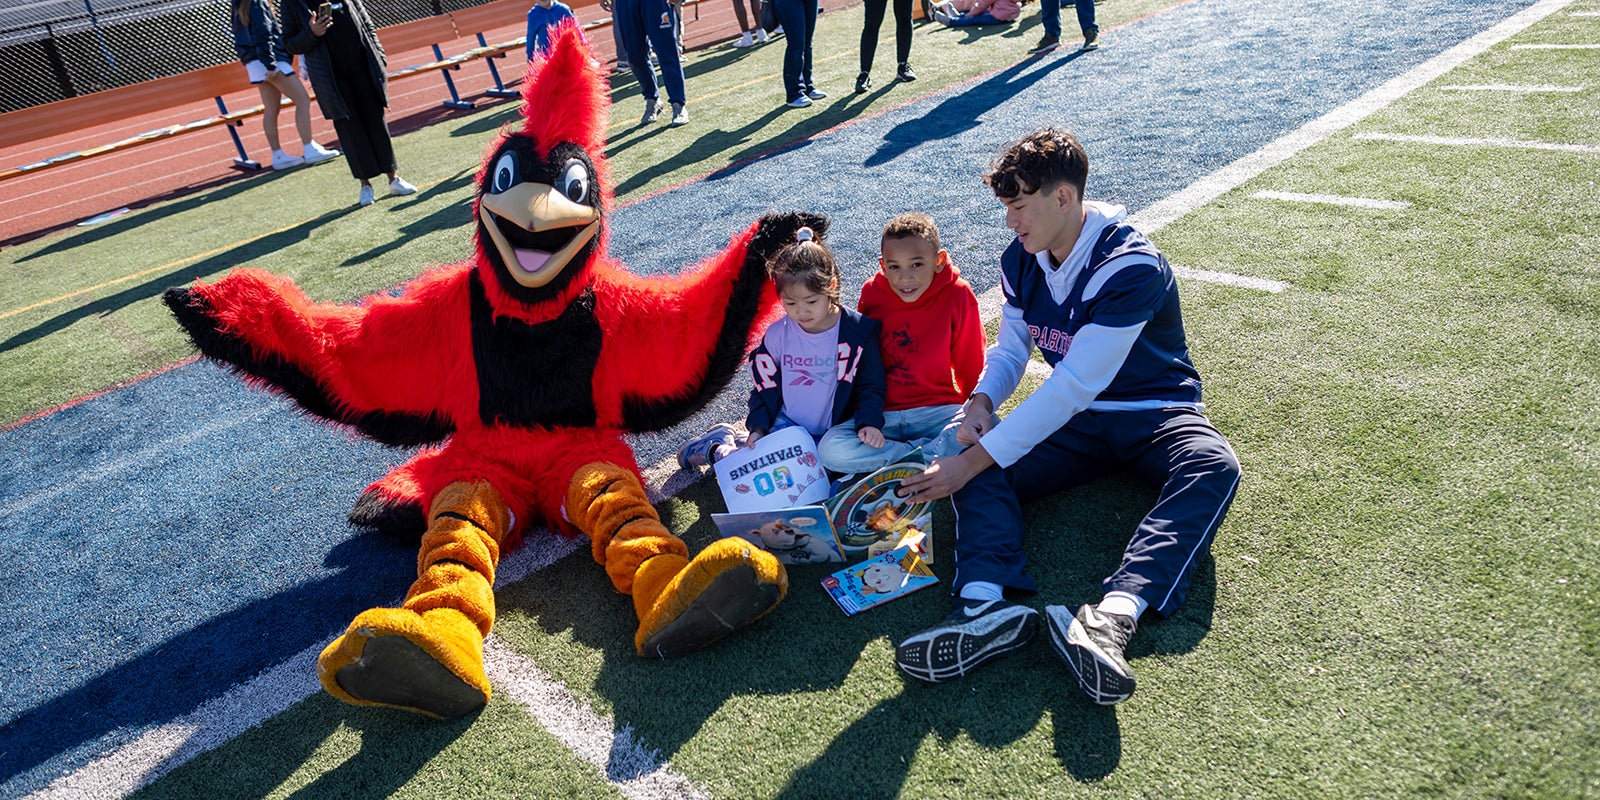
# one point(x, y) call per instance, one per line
point(396, 367)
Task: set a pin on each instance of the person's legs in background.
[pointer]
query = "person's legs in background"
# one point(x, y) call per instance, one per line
point(1091, 31)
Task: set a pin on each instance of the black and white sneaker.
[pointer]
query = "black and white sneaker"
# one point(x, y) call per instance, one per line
point(973, 633)
point(1092, 644)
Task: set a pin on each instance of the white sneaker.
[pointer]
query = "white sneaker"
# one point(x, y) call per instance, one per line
point(761, 36)
point(746, 40)
point(652, 112)
point(365, 197)
point(316, 153)
point(680, 115)
point(800, 102)
point(282, 160)
point(778, 31)
point(816, 94)
point(399, 187)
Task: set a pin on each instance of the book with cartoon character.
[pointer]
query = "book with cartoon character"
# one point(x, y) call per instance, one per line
point(884, 577)
point(777, 498)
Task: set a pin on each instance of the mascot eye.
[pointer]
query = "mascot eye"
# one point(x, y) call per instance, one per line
point(575, 181)
point(506, 173)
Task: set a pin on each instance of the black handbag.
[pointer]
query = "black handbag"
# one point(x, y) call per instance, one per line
point(769, 16)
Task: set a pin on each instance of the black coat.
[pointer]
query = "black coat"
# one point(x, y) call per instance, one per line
point(298, 38)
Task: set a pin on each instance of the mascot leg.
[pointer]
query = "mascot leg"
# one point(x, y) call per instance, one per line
point(683, 605)
point(427, 655)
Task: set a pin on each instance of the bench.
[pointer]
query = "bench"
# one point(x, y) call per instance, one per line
point(65, 116)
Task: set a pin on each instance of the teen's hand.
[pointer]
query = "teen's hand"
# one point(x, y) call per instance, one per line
point(320, 25)
point(975, 422)
point(946, 476)
point(870, 436)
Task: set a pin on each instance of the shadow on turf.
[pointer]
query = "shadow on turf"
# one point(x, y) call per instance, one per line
point(807, 645)
point(180, 275)
point(174, 678)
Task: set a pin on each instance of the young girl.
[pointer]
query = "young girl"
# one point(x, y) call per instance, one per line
point(816, 367)
point(259, 42)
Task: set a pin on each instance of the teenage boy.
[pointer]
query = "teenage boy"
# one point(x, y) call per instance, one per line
point(1100, 303)
point(932, 345)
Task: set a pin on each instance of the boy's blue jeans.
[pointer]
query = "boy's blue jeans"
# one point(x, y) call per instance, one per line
point(1050, 15)
point(933, 428)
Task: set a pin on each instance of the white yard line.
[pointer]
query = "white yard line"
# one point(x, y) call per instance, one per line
point(1555, 47)
point(631, 765)
point(1236, 174)
point(1474, 141)
point(1511, 87)
point(1333, 200)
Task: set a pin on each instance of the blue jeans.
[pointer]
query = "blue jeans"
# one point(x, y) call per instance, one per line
point(1175, 449)
point(639, 23)
point(799, 21)
point(933, 428)
point(1050, 15)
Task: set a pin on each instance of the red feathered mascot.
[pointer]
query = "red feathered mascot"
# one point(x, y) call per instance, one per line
point(528, 362)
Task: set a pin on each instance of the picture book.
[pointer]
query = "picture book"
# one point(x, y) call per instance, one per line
point(879, 579)
point(777, 491)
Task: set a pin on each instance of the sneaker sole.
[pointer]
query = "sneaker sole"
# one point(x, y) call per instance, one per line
point(1101, 681)
point(683, 452)
point(938, 655)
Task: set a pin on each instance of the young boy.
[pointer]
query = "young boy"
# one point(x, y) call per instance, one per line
point(542, 21)
point(932, 344)
point(1100, 303)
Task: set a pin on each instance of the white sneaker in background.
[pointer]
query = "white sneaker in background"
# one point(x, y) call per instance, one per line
point(316, 153)
point(399, 187)
point(282, 160)
point(365, 197)
point(746, 39)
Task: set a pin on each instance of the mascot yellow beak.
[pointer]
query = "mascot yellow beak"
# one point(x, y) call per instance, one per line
point(536, 208)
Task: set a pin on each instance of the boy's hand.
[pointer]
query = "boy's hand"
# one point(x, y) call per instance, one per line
point(750, 441)
point(870, 436)
point(975, 420)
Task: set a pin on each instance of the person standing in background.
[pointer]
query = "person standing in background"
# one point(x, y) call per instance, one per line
point(798, 18)
point(869, 41)
point(643, 25)
point(347, 68)
point(258, 40)
point(542, 19)
point(751, 25)
point(1050, 15)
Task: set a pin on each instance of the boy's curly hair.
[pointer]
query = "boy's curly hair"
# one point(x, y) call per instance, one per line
point(913, 224)
point(1042, 159)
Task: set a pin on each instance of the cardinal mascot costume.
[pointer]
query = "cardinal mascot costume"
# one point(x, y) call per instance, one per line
point(522, 367)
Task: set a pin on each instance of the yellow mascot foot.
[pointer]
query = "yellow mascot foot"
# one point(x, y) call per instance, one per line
point(686, 605)
point(430, 663)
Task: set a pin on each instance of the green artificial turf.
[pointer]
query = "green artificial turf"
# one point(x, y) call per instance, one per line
point(1401, 602)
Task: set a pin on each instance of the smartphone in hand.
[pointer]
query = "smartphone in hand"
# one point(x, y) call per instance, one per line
point(325, 11)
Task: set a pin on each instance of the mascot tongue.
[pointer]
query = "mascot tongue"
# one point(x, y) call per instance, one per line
point(531, 260)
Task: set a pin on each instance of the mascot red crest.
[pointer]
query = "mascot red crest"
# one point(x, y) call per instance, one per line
point(521, 368)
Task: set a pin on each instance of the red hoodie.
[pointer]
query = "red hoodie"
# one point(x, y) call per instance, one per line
point(932, 347)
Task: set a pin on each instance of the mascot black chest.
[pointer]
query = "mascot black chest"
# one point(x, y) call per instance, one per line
point(535, 374)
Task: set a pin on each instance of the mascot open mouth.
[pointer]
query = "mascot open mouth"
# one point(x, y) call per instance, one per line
point(534, 252)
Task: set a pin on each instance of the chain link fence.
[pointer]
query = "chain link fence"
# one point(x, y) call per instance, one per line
point(54, 49)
